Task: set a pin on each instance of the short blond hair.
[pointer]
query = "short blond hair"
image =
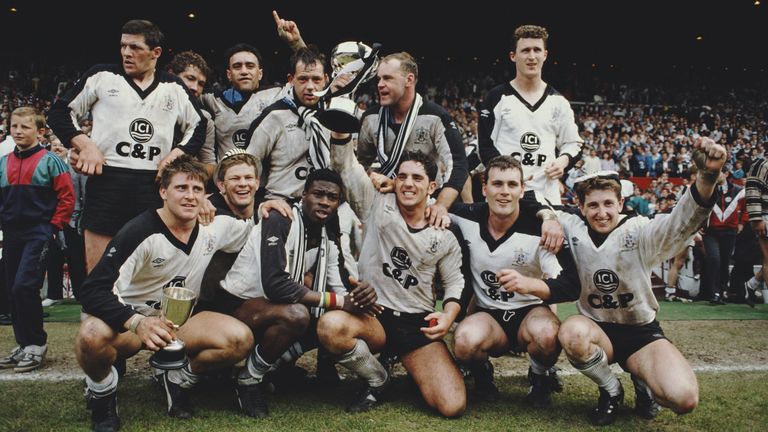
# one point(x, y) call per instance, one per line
point(27, 111)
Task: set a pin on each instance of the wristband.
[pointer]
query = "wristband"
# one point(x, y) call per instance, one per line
point(135, 321)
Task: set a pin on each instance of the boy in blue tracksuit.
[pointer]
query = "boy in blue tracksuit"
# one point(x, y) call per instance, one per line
point(36, 200)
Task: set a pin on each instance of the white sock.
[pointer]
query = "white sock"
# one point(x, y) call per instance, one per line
point(754, 284)
point(184, 377)
point(538, 368)
point(255, 369)
point(105, 387)
point(360, 360)
point(597, 369)
point(669, 290)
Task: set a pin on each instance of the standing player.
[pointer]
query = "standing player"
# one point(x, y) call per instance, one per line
point(234, 108)
point(287, 138)
point(137, 113)
point(530, 120)
point(614, 256)
point(404, 122)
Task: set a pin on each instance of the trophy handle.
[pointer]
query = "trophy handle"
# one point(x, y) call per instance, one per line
point(326, 95)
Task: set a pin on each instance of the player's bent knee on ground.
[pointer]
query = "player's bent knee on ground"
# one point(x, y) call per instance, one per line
point(682, 397)
point(452, 407)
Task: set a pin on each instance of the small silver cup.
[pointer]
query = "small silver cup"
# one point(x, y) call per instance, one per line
point(176, 306)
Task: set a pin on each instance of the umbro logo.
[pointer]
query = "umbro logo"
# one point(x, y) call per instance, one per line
point(113, 92)
point(485, 113)
point(111, 252)
point(272, 241)
point(157, 262)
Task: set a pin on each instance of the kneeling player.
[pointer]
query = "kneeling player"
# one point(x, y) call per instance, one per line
point(502, 235)
point(287, 267)
point(614, 256)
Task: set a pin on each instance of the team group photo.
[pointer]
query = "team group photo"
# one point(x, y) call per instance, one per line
point(338, 220)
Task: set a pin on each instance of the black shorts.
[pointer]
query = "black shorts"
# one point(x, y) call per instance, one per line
point(629, 339)
point(222, 302)
point(403, 331)
point(510, 321)
point(117, 196)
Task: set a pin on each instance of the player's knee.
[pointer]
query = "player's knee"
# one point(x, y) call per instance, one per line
point(573, 334)
point(685, 398)
point(331, 326)
point(452, 407)
point(296, 318)
point(239, 341)
point(92, 337)
point(466, 342)
point(545, 335)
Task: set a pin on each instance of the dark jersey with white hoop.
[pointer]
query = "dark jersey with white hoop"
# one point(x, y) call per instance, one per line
point(145, 257)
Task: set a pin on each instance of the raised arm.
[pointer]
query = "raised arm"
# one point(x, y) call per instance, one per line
point(358, 188)
point(288, 32)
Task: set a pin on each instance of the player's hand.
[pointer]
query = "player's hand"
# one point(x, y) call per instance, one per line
point(207, 212)
point(512, 281)
point(340, 81)
point(166, 160)
point(155, 333)
point(437, 216)
point(382, 183)
point(280, 205)
point(758, 226)
point(556, 168)
point(552, 235)
point(89, 160)
point(362, 294)
point(288, 32)
point(437, 326)
point(309, 279)
point(708, 156)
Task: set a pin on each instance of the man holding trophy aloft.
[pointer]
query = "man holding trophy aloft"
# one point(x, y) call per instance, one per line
point(158, 255)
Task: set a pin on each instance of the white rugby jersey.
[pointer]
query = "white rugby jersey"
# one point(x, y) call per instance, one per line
point(133, 128)
point(145, 257)
point(233, 120)
point(260, 268)
point(282, 149)
point(398, 261)
point(536, 134)
point(616, 276)
point(518, 250)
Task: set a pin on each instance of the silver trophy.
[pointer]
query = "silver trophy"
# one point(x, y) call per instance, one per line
point(176, 306)
point(338, 110)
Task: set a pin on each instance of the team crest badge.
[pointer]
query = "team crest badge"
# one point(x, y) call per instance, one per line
point(422, 135)
point(520, 257)
point(628, 242)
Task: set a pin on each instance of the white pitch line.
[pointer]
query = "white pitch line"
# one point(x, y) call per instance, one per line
point(54, 376)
